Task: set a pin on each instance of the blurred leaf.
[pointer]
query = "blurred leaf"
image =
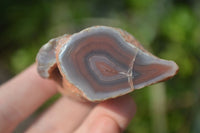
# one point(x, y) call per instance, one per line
point(140, 4)
point(178, 24)
point(20, 60)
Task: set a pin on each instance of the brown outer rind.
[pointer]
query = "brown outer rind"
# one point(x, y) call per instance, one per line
point(130, 39)
point(44, 49)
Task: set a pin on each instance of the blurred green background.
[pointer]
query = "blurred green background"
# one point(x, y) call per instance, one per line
point(169, 29)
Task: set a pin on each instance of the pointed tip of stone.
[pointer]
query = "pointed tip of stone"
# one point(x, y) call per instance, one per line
point(149, 70)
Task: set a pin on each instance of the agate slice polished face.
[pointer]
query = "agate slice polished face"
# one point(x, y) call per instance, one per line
point(100, 63)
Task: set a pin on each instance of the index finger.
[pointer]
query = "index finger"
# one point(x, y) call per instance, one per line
point(21, 96)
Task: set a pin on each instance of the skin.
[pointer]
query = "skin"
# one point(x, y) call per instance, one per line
point(23, 94)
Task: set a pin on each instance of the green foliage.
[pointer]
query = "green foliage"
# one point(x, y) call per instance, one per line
point(178, 24)
point(140, 4)
point(20, 60)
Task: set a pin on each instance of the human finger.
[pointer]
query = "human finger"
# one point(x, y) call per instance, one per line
point(21, 96)
point(64, 116)
point(111, 116)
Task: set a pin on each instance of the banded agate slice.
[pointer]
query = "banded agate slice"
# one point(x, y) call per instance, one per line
point(101, 62)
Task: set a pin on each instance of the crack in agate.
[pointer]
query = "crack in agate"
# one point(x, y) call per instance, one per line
point(129, 73)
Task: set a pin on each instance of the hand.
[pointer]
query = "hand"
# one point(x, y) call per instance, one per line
point(22, 95)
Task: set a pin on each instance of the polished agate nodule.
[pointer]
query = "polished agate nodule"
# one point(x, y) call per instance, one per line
point(101, 62)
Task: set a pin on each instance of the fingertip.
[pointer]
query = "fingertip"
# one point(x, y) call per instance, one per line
point(104, 124)
point(110, 116)
point(122, 109)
